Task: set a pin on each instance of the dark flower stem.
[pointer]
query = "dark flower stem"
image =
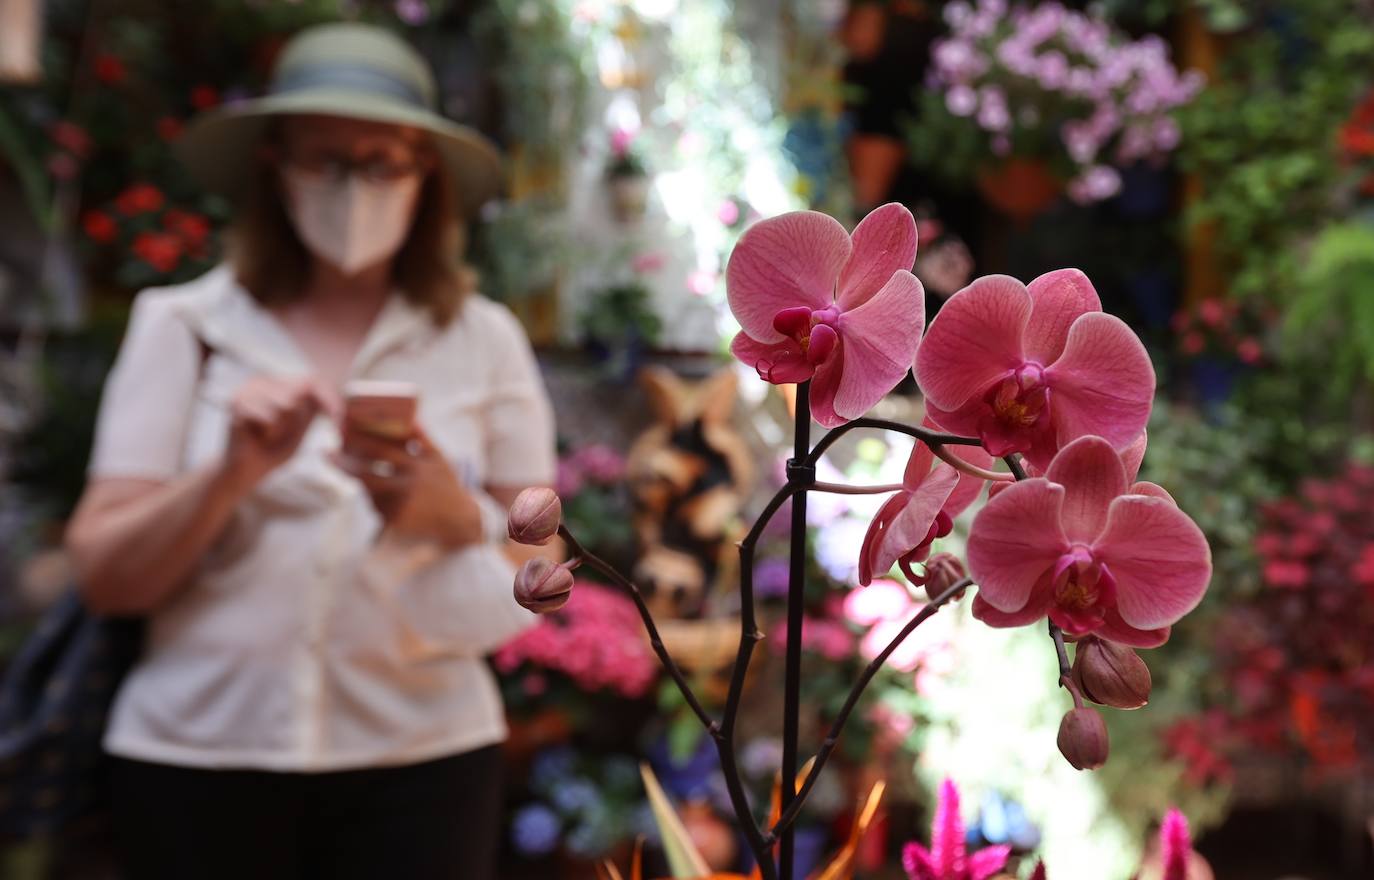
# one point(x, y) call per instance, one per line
point(800, 472)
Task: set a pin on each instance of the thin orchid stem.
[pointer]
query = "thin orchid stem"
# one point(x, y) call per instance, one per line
point(655, 641)
point(842, 489)
point(1065, 668)
point(925, 435)
point(832, 738)
point(803, 473)
point(954, 461)
point(1014, 464)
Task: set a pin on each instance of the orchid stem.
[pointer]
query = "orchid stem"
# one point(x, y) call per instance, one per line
point(954, 461)
point(841, 489)
point(925, 435)
point(832, 738)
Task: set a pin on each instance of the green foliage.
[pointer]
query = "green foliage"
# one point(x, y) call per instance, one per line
point(1262, 137)
point(619, 315)
point(1335, 313)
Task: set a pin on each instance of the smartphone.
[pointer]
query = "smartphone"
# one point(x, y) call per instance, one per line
point(384, 408)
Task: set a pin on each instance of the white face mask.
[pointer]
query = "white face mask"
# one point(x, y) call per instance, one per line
point(351, 222)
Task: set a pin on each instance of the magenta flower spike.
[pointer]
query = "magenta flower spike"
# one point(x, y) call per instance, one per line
point(1175, 845)
point(948, 858)
point(817, 304)
point(933, 493)
point(1090, 550)
point(1031, 368)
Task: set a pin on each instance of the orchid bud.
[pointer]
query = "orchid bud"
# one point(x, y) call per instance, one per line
point(543, 586)
point(1083, 738)
point(943, 570)
point(535, 516)
point(1111, 674)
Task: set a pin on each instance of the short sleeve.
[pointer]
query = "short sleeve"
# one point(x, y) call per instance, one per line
point(148, 396)
point(518, 416)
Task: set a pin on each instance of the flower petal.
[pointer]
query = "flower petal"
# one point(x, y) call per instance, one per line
point(781, 363)
point(783, 262)
point(1015, 539)
point(965, 419)
point(1033, 612)
point(1117, 630)
point(1132, 456)
point(1058, 298)
point(884, 242)
point(880, 340)
point(917, 466)
point(916, 860)
point(974, 341)
point(824, 385)
point(1159, 558)
point(1144, 487)
point(909, 527)
point(1091, 473)
point(969, 486)
point(870, 548)
point(986, 862)
point(1103, 384)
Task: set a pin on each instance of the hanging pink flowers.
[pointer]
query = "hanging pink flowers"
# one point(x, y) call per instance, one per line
point(1030, 369)
point(1086, 547)
point(817, 304)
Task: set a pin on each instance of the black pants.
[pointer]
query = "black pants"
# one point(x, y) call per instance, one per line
point(439, 820)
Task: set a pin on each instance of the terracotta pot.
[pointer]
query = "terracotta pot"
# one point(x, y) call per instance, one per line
point(529, 735)
point(1020, 188)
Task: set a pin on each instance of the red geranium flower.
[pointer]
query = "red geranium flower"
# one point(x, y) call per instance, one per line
point(99, 227)
point(192, 228)
point(140, 198)
point(110, 70)
point(71, 137)
point(160, 250)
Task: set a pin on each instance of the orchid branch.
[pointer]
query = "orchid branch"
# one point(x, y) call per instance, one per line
point(925, 435)
point(842, 489)
point(832, 737)
point(591, 560)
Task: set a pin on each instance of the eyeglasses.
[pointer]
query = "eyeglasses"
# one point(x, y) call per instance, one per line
point(373, 170)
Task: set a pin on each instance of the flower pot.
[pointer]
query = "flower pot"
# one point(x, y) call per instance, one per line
point(1022, 189)
point(629, 195)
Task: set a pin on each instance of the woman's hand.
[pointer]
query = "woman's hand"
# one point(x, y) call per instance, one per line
point(269, 417)
point(413, 487)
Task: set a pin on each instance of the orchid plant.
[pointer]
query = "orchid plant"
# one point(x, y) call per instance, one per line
point(1036, 375)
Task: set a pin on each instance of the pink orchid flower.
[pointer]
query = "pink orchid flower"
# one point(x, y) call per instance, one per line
point(948, 858)
point(910, 521)
point(816, 304)
point(1029, 369)
point(1093, 551)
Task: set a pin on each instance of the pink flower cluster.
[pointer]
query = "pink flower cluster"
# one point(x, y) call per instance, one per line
point(596, 464)
point(1224, 327)
point(597, 641)
point(881, 611)
point(1034, 371)
point(1045, 67)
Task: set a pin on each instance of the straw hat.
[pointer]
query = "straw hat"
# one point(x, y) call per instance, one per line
point(350, 70)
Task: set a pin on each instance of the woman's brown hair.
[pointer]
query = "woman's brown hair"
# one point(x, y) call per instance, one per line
point(271, 262)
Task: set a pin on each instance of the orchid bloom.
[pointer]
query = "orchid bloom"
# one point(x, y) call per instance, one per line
point(948, 858)
point(1093, 551)
point(816, 304)
point(910, 521)
point(1030, 369)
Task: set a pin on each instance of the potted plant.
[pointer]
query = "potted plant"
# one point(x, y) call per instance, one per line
point(1036, 100)
point(618, 326)
point(627, 180)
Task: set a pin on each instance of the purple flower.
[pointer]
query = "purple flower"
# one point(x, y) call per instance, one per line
point(1166, 134)
point(1095, 184)
point(534, 830)
point(961, 100)
point(1052, 69)
point(1001, 145)
point(412, 12)
point(994, 117)
point(1080, 140)
point(770, 578)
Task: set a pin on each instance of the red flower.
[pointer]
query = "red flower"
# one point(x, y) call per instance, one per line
point(204, 97)
point(192, 228)
point(99, 227)
point(110, 70)
point(1286, 573)
point(160, 250)
point(140, 198)
point(63, 167)
point(169, 128)
point(71, 137)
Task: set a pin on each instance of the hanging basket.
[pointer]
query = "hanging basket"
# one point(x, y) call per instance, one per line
point(1022, 189)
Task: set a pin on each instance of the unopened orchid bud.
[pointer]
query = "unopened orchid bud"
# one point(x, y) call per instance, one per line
point(1083, 738)
point(943, 570)
point(535, 516)
point(543, 586)
point(1111, 674)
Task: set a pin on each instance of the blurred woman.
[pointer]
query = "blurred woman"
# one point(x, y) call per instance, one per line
point(312, 700)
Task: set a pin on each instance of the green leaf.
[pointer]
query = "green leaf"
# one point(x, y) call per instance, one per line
point(683, 859)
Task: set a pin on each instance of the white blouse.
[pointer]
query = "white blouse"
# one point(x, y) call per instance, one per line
point(307, 640)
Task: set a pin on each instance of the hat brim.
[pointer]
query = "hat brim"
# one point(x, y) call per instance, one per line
point(220, 147)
